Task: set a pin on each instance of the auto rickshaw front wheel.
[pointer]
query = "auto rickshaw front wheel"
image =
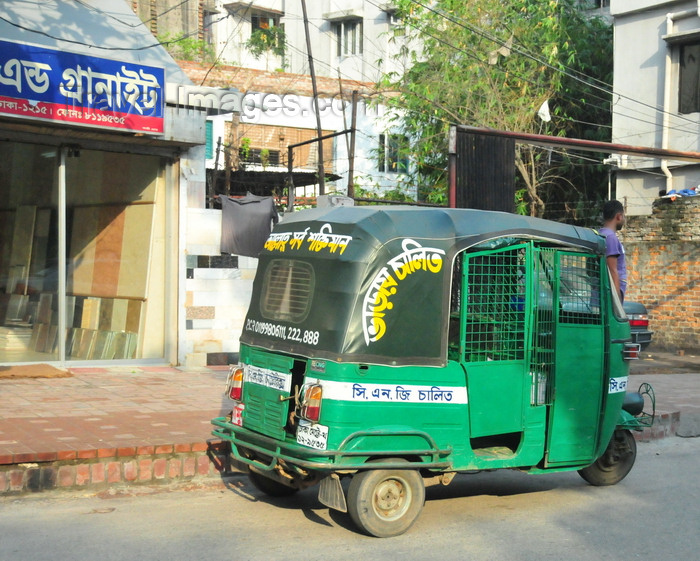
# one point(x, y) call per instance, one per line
point(385, 502)
point(615, 463)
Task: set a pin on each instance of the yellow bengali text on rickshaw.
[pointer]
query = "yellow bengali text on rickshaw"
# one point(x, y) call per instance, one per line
point(323, 240)
point(385, 284)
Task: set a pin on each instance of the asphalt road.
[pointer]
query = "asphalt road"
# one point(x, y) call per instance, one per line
point(653, 514)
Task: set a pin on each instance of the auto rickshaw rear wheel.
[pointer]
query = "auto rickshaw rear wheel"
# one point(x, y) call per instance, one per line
point(385, 502)
point(615, 463)
point(269, 486)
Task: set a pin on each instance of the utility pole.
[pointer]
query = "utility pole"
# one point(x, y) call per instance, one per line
point(290, 178)
point(319, 130)
point(351, 152)
point(214, 178)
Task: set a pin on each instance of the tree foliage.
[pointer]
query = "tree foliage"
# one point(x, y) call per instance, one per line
point(183, 47)
point(493, 63)
point(267, 41)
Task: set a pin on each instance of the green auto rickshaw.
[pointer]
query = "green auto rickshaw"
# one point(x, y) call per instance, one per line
point(392, 344)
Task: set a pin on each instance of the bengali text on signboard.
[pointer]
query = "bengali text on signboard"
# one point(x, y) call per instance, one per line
point(47, 84)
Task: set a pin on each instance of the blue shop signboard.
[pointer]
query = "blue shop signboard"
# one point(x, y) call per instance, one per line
point(47, 84)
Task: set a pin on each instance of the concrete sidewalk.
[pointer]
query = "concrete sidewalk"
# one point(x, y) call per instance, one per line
point(125, 425)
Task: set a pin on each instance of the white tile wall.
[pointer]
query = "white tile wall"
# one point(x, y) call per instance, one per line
point(229, 291)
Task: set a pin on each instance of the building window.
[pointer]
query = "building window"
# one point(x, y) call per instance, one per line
point(263, 21)
point(689, 79)
point(393, 153)
point(266, 36)
point(210, 18)
point(348, 35)
point(262, 156)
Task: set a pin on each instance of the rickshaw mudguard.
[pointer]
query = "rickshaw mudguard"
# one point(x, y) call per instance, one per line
point(266, 453)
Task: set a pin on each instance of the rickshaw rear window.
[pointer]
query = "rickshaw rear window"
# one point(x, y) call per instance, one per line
point(287, 290)
point(579, 289)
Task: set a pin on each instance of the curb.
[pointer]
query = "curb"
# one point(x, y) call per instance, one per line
point(664, 425)
point(143, 465)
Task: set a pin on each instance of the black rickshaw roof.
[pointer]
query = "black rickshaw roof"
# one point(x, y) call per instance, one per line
point(465, 226)
point(375, 282)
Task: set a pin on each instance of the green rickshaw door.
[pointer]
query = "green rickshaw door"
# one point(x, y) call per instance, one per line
point(579, 369)
point(532, 342)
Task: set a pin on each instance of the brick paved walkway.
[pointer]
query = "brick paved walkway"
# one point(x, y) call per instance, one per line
point(98, 411)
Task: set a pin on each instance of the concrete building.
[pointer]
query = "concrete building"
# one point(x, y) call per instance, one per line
point(349, 39)
point(101, 174)
point(353, 45)
point(656, 99)
point(277, 110)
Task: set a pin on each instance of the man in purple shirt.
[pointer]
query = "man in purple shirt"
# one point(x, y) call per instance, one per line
point(614, 220)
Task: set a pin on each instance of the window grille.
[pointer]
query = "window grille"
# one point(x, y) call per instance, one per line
point(259, 156)
point(349, 37)
point(287, 289)
point(542, 356)
point(496, 301)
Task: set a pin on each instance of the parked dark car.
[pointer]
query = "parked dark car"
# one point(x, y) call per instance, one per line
point(639, 323)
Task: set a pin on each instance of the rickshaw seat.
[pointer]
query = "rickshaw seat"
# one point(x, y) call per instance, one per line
point(633, 403)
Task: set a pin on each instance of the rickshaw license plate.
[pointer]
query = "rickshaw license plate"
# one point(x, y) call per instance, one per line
point(313, 436)
point(237, 415)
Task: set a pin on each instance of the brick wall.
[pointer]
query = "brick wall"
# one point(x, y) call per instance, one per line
point(252, 80)
point(119, 466)
point(663, 260)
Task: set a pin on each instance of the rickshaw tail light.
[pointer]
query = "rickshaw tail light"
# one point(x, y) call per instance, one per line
point(631, 351)
point(235, 384)
point(311, 404)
